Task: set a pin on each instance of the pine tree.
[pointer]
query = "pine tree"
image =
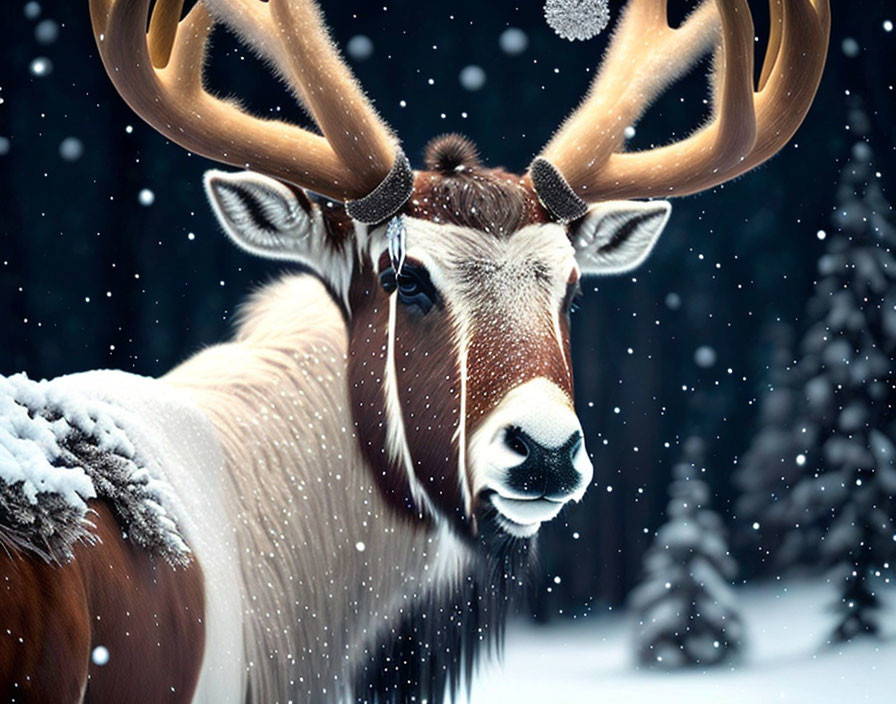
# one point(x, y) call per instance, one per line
point(772, 463)
point(847, 494)
point(685, 607)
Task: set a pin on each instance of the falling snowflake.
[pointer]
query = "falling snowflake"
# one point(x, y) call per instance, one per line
point(32, 10)
point(100, 655)
point(513, 41)
point(359, 47)
point(46, 31)
point(577, 19)
point(472, 77)
point(705, 356)
point(146, 197)
point(41, 66)
point(850, 47)
point(71, 149)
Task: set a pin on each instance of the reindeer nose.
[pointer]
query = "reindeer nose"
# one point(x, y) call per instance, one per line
point(543, 472)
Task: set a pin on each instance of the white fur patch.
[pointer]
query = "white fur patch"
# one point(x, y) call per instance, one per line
point(460, 436)
point(396, 436)
point(544, 411)
point(170, 429)
point(450, 559)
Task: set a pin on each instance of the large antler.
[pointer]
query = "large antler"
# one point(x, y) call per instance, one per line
point(159, 74)
point(583, 162)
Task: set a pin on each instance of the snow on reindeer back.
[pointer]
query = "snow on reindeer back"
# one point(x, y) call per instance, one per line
point(58, 450)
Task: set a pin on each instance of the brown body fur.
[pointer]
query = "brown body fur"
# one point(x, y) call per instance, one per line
point(114, 594)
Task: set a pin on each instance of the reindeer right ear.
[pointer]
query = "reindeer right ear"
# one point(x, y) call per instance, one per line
point(616, 236)
point(261, 215)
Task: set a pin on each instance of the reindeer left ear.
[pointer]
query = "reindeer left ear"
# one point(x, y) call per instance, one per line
point(260, 214)
point(265, 217)
point(616, 236)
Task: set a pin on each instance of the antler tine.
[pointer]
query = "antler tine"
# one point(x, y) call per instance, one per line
point(794, 77)
point(309, 62)
point(252, 22)
point(731, 133)
point(163, 29)
point(322, 74)
point(159, 75)
point(185, 51)
point(691, 165)
point(644, 56)
point(747, 127)
point(775, 31)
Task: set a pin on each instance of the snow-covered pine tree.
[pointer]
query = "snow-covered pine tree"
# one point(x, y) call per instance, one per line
point(847, 493)
point(685, 608)
point(770, 465)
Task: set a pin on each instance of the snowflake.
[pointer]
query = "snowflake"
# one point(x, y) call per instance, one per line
point(577, 19)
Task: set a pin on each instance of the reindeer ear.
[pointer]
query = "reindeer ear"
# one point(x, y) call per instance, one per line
point(260, 214)
point(616, 236)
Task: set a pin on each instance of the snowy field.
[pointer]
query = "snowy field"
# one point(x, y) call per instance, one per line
point(785, 661)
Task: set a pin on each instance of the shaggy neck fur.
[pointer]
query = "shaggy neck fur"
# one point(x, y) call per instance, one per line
point(336, 582)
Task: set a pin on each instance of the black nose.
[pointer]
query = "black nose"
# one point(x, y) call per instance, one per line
point(543, 471)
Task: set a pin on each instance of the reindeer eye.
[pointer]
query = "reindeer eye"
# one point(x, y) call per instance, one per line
point(387, 280)
point(408, 285)
point(414, 287)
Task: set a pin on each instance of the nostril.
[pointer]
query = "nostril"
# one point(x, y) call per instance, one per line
point(515, 439)
point(549, 471)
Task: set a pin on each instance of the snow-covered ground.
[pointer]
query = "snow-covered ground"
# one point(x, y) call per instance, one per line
point(785, 661)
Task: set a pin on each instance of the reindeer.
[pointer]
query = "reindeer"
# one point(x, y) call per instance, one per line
point(336, 504)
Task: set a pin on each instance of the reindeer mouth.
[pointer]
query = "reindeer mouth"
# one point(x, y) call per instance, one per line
point(522, 518)
point(517, 530)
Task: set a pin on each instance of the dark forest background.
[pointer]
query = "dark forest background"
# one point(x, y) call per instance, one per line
point(90, 278)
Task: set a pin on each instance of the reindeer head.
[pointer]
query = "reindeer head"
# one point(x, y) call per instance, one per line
point(457, 280)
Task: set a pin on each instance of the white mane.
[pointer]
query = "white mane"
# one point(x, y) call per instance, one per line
point(324, 563)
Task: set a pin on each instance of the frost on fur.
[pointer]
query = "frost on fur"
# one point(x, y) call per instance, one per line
point(58, 451)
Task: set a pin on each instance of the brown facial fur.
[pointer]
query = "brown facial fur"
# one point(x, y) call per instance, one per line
point(149, 617)
point(502, 358)
point(456, 191)
point(368, 332)
point(428, 388)
point(426, 365)
point(490, 200)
